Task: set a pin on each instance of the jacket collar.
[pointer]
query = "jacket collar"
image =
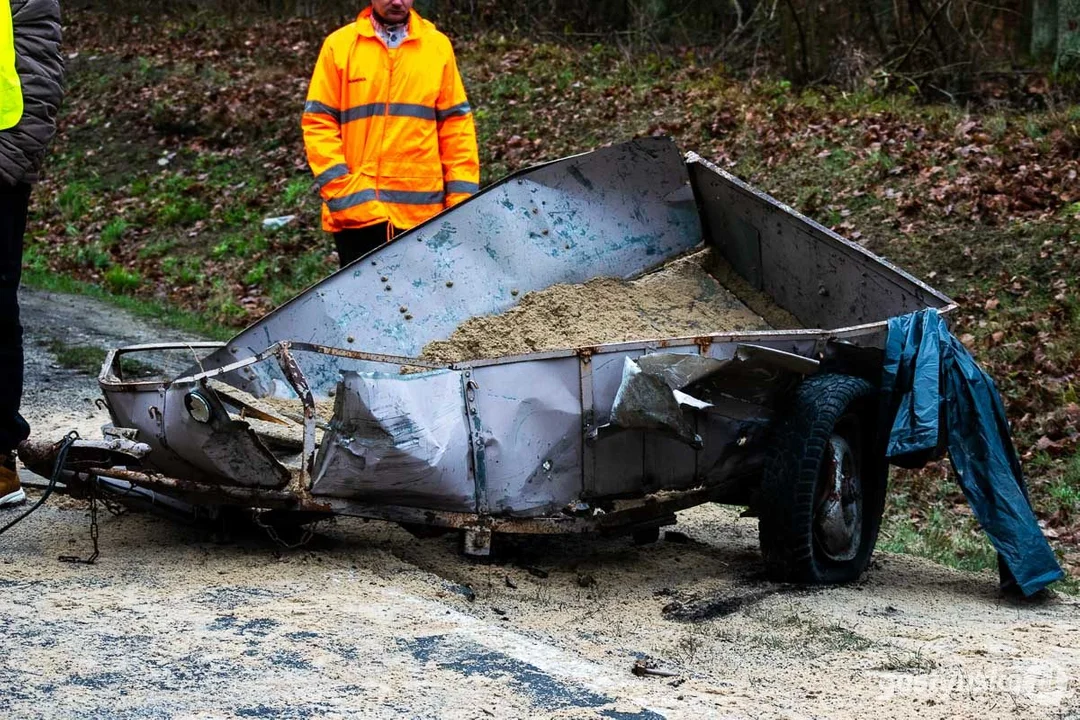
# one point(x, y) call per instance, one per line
point(365, 28)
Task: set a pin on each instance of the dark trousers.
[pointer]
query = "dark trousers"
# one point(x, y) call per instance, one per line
point(354, 243)
point(14, 202)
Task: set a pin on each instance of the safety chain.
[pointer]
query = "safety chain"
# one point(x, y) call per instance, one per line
point(93, 482)
point(271, 531)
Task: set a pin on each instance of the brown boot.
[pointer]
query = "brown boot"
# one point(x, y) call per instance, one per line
point(11, 492)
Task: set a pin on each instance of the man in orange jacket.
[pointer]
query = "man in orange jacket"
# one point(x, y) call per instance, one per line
point(387, 127)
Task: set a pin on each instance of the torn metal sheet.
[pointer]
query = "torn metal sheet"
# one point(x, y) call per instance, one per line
point(221, 447)
point(678, 370)
point(750, 381)
point(645, 401)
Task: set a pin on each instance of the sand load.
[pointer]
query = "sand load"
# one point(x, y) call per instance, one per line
point(682, 298)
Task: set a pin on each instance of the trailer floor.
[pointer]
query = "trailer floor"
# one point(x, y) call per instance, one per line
point(369, 621)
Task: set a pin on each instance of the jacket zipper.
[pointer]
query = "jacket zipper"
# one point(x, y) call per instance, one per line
point(391, 55)
point(385, 122)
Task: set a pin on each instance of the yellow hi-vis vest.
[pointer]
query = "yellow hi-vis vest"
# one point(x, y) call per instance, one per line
point(11, 99)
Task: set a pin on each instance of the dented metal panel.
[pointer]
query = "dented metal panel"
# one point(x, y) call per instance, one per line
point(398, 438)
point(531, 415)
point(224, 449)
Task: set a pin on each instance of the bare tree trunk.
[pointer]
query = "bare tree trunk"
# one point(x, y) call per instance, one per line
point(1044, 29)
point(794, 40)
point(1068, 38)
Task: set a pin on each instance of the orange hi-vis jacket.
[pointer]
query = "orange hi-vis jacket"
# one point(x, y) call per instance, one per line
point(389, 132)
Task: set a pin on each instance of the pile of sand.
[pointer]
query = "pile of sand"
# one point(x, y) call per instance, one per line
point(680, 299)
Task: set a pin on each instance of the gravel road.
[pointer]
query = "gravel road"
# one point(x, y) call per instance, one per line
point(186, 621)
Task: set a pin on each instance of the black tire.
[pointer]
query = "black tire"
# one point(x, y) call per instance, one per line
point(818, 522)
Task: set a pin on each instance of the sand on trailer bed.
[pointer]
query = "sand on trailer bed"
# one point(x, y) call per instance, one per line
point(682, 298)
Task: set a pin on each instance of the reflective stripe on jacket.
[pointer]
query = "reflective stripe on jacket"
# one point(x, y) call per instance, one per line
point(11, 102)
point(389, 133)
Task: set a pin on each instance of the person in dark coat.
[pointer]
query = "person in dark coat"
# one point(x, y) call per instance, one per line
point(31, 87)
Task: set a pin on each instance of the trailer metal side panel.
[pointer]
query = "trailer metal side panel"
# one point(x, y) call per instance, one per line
point(813, 273)
point(531, 435)
point(398, 439)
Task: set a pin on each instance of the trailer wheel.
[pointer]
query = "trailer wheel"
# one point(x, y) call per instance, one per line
point(823, 491)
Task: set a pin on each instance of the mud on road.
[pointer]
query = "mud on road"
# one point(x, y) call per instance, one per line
point(179, 620)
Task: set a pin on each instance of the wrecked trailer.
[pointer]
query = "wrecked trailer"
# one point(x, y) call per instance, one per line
point(324, 406)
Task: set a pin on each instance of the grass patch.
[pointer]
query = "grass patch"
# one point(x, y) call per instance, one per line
point(113, 232)
point(297, 191)
point(89, 255)
point(184, 270)
point(257, 274)
point(950, 539)
point(74, 200)
point(238, 245)
point(908, 662)
point(798, 634)
point(84, 358)
point(122, 281)
point(1069, 585)
point(182, 212)
point(194, 323)
point(1063, 491)
point(156, 248)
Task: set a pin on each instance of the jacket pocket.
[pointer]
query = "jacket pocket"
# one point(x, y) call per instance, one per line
point(357, 189)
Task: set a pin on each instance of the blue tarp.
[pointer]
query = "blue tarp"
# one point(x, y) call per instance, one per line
point(933, 380)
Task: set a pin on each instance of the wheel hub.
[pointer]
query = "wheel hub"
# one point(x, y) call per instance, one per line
point(838, 512)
